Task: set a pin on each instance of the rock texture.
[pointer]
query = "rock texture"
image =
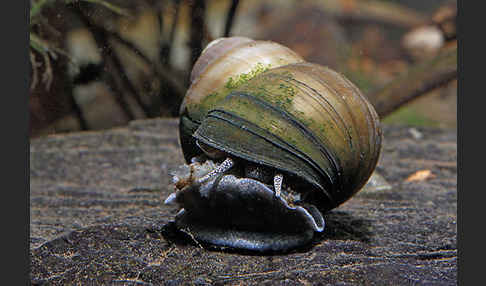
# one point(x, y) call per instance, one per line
point(97, 217)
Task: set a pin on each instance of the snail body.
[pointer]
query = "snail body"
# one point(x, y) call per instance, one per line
point(270, 148)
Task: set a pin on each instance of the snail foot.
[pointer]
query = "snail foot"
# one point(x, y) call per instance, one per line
point(243, 213)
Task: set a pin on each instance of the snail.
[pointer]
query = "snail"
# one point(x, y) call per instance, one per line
point(271, 143)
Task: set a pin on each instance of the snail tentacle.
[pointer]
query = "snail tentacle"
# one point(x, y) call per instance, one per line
point(277, 184)
point(227, 164)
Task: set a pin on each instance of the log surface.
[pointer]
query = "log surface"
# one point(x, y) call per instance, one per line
point(97, 217)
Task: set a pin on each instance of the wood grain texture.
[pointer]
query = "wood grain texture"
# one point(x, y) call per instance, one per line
point(97, 216)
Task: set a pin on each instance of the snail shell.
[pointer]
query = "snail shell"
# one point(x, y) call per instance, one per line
point(258, 115)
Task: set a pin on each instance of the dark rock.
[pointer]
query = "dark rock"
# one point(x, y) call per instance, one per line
point(97, 217)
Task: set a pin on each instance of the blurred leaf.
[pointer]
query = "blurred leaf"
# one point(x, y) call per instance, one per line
point(421, 175)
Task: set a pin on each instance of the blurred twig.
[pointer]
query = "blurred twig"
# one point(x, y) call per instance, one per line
point(230, 17)
point(44, 42)
point(380, 12)
point(43, 46)
point(34, 65)
point(418, 80)
point(111, 63)
point(445, 17)
point(162, 72)
point(110, 6)
point(197, 28)
point(47, 51)
point(166, 49)
point(37, 6)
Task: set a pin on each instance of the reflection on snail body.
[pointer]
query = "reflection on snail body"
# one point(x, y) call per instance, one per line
point(271, 143)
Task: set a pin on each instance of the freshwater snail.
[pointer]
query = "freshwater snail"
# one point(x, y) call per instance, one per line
point(271, 143)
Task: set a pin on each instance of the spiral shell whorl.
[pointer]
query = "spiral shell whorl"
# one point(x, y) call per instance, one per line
point(231, 61)
point(214, 50)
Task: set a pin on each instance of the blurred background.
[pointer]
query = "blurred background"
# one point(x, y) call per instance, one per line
point(98, 64)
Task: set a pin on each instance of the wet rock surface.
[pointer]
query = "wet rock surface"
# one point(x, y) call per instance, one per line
point(97, 217)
